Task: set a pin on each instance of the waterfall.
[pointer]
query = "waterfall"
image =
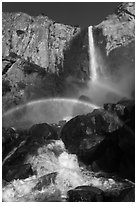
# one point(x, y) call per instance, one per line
point(92, 55)
point(104, 87)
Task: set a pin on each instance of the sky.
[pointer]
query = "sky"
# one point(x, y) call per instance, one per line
point(83, 14)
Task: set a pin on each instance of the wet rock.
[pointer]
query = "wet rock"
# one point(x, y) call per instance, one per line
point(37, 137)
point(106, 190)
point(88, 131)
point(123, 195)
point(42, 132)
point(11, 139)
point(101, 139)
point(58, 127)
point(10, 173)
point(124, 109)
point(85, 194)
point(45, 181)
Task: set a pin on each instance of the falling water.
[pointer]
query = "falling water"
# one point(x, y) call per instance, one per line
point(92, 56)
point(101, 87)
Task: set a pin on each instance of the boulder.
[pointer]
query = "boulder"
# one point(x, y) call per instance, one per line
point(85, 194)
point(16, 172)
point(124, 195)
point(45, 181)
point(103, 139)
point(11, 139)
point(94, 194)
point(105, 189)
point(37, 137)
point(42, 132)
point(84, 133)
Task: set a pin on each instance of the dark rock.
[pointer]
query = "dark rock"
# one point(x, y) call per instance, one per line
point(45, 181)
point(42, 132)
point(88, 131)
point(123, 195)
point(20, 32)
point(85, 99)
point(124, 109)
point(101, 139)
point(37, 137)
point(83, 136)
point(11, 139)
point(10, 173)
point(119, 191)
point(85, 194)
point(58, 127)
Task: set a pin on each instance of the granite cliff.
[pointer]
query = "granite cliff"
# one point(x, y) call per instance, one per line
point(42, 58)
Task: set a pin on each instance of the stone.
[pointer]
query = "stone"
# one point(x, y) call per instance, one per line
point(124, 195)
point(111, 190)
point(88, 131)
point(85, 194)
point(10, 173)
point(45, 180)
point(42, 132)
point(11, 139)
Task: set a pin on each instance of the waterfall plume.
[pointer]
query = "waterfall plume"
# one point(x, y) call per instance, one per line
point(92, 55)
point(104, 86)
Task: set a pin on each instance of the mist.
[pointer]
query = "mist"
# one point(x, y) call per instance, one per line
point(108, 84)
point(105, 90)
point(47, 110)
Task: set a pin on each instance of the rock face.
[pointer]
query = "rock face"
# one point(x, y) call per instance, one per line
point(42, 58)
point(104, 139)
point(115, 40)
point(38, 40)
point(119, 28)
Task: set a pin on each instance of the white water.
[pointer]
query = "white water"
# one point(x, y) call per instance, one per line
point(92, 55)
point(69, 176)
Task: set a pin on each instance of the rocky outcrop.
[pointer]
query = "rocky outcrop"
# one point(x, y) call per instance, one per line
point(104, 139)
point(115, 45)
point(36, 39)
point(119, 28)
point(32, 47)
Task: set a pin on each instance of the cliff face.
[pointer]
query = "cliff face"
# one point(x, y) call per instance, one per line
point(36, 39)
point(42, 58)
point(115, 38)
